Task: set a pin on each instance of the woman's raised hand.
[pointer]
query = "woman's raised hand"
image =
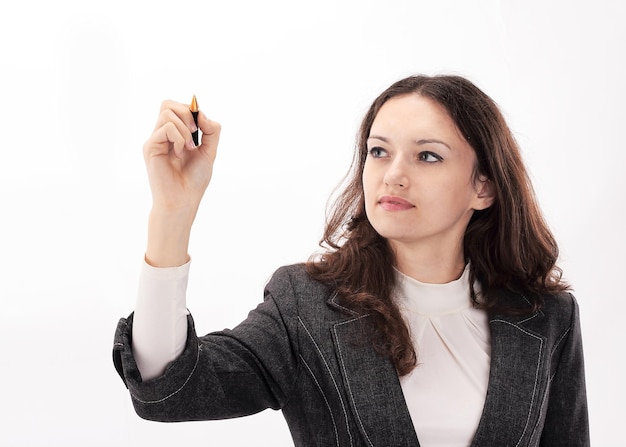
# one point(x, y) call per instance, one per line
point(179, 173)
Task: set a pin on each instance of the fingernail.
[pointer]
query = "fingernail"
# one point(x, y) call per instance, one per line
point(191, 145)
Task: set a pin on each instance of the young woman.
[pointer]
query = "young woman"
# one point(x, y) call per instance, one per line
point(436, 313)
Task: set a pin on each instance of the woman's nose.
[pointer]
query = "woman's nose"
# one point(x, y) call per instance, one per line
point(396, 175)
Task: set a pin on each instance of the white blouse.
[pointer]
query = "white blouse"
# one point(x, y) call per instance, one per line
point(446, 392)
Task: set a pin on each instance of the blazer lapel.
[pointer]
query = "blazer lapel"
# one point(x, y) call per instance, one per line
point(517, 383)
point(372, 386)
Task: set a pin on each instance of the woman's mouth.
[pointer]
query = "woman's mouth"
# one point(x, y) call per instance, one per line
point(393, 203)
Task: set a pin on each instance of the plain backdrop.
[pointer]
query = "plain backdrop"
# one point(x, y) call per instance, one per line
point(289, 81)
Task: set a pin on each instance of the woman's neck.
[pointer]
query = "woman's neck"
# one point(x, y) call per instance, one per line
point(428, 265)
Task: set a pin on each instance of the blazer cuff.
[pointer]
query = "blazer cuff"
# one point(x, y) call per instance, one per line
point(175, 376)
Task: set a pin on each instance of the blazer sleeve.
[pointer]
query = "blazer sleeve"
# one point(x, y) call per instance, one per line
point(566, 422)
point(221, 375)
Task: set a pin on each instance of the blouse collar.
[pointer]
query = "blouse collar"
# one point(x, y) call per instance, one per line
point(434, 299)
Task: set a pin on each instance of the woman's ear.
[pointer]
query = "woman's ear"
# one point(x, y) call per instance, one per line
point(486, 193)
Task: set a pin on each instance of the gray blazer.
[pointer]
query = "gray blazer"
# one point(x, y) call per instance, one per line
point(302, 352)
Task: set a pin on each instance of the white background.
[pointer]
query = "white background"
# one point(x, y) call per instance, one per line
point(289, 81)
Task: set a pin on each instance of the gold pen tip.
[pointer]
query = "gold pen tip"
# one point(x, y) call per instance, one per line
point(194, 104)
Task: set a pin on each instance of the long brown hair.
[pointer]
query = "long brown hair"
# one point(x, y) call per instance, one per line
point(507, 245)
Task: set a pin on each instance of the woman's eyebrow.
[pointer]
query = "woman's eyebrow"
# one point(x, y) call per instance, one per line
point(376, 137)
point(432, 140)
point(418, 142)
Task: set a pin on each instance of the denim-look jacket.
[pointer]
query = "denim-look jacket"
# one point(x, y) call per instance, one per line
point(302, 352)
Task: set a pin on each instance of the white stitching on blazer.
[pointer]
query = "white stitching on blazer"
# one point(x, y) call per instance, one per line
point(324, 396)
point(536, 372)
point(343, 407)
point(347, 382)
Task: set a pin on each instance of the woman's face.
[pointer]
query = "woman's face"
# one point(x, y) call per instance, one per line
point(418, 175)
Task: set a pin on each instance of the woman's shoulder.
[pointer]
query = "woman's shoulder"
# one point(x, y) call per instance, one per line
point(562, 308)
point(292, 272)
point(294, 283)
point(557, 314)
point(292, 276)
point(557, 303)
point(560, 303)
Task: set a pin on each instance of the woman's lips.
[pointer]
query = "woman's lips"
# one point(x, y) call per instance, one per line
point(392, 203)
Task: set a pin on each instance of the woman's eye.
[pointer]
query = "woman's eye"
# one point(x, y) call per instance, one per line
point(429, 157)
point(377, 152)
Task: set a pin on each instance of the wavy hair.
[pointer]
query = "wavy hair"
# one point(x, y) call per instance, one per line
point(508, 245)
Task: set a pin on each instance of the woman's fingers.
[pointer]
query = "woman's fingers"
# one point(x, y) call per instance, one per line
point(169, 116)
point(165, 139)
point(173, 131)
point(181, 110)
point(210, 134)
point(185, 129)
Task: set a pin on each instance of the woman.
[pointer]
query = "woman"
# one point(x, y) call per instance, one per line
point(437, 311)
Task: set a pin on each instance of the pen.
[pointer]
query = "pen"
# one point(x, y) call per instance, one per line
point(194, 112)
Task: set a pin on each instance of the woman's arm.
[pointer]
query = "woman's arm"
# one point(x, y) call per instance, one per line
point(160, 332)
point(567, 422)
point(179, 173)
point(224, 374)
